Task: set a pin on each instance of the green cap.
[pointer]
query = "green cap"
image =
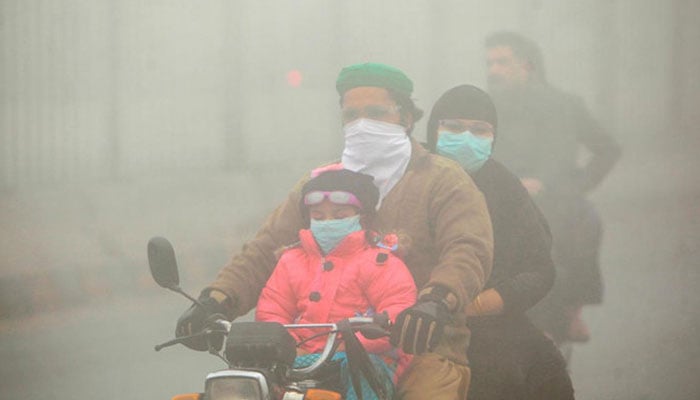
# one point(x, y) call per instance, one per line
point(373, 74)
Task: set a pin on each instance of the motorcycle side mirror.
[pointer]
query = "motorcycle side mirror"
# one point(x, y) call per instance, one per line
point(161, 260)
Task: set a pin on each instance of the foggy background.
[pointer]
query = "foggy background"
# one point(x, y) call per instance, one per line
point(122, 120)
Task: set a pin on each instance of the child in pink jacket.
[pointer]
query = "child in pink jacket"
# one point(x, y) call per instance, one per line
point(339, 268)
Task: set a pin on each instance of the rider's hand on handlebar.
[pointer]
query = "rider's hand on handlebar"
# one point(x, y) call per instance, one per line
point(193, 321)
point(419, 328)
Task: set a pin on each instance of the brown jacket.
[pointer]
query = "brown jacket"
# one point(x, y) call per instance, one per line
point(435, 203)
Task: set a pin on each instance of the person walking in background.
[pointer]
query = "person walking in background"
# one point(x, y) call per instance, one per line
point(541, 130)
point(510, 358)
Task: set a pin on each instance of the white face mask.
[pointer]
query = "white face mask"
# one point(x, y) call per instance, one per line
point(377, 148)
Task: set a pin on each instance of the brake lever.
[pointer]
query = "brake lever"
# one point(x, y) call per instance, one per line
point(382, 320)
point(175, 341)
point(181, 339)
point(379, 328)
point(373, 331)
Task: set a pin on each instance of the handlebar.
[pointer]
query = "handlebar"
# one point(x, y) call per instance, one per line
point(357, 323)
point(372, 327)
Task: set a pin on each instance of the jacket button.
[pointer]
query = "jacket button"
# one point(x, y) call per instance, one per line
point(327, 266)
point(315, 296)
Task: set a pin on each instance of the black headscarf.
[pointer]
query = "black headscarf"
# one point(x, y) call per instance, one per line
point(464, 102)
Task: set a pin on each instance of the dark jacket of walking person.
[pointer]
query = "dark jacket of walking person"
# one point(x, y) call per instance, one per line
point(509, 356)
point(542, 132)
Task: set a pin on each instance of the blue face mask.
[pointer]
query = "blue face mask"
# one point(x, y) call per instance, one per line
point(469, 150)
point(330, 232)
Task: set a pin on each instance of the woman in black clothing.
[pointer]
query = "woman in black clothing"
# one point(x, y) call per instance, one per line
point(510, 358)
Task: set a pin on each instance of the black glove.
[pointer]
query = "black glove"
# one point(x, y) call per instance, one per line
point(418, 328)
point(193, 321)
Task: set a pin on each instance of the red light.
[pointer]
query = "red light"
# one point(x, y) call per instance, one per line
point(294, 78)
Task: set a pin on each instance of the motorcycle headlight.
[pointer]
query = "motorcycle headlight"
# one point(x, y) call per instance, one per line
point(236, 385)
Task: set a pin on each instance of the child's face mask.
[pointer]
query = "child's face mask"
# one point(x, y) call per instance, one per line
point(328, 233)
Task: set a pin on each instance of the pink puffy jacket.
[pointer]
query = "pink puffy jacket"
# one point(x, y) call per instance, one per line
point(306, 287)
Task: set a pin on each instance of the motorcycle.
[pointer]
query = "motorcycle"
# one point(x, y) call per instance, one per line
point(260, 356)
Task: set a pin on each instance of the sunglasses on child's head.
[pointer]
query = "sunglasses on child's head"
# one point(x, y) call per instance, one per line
point(336, 197)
